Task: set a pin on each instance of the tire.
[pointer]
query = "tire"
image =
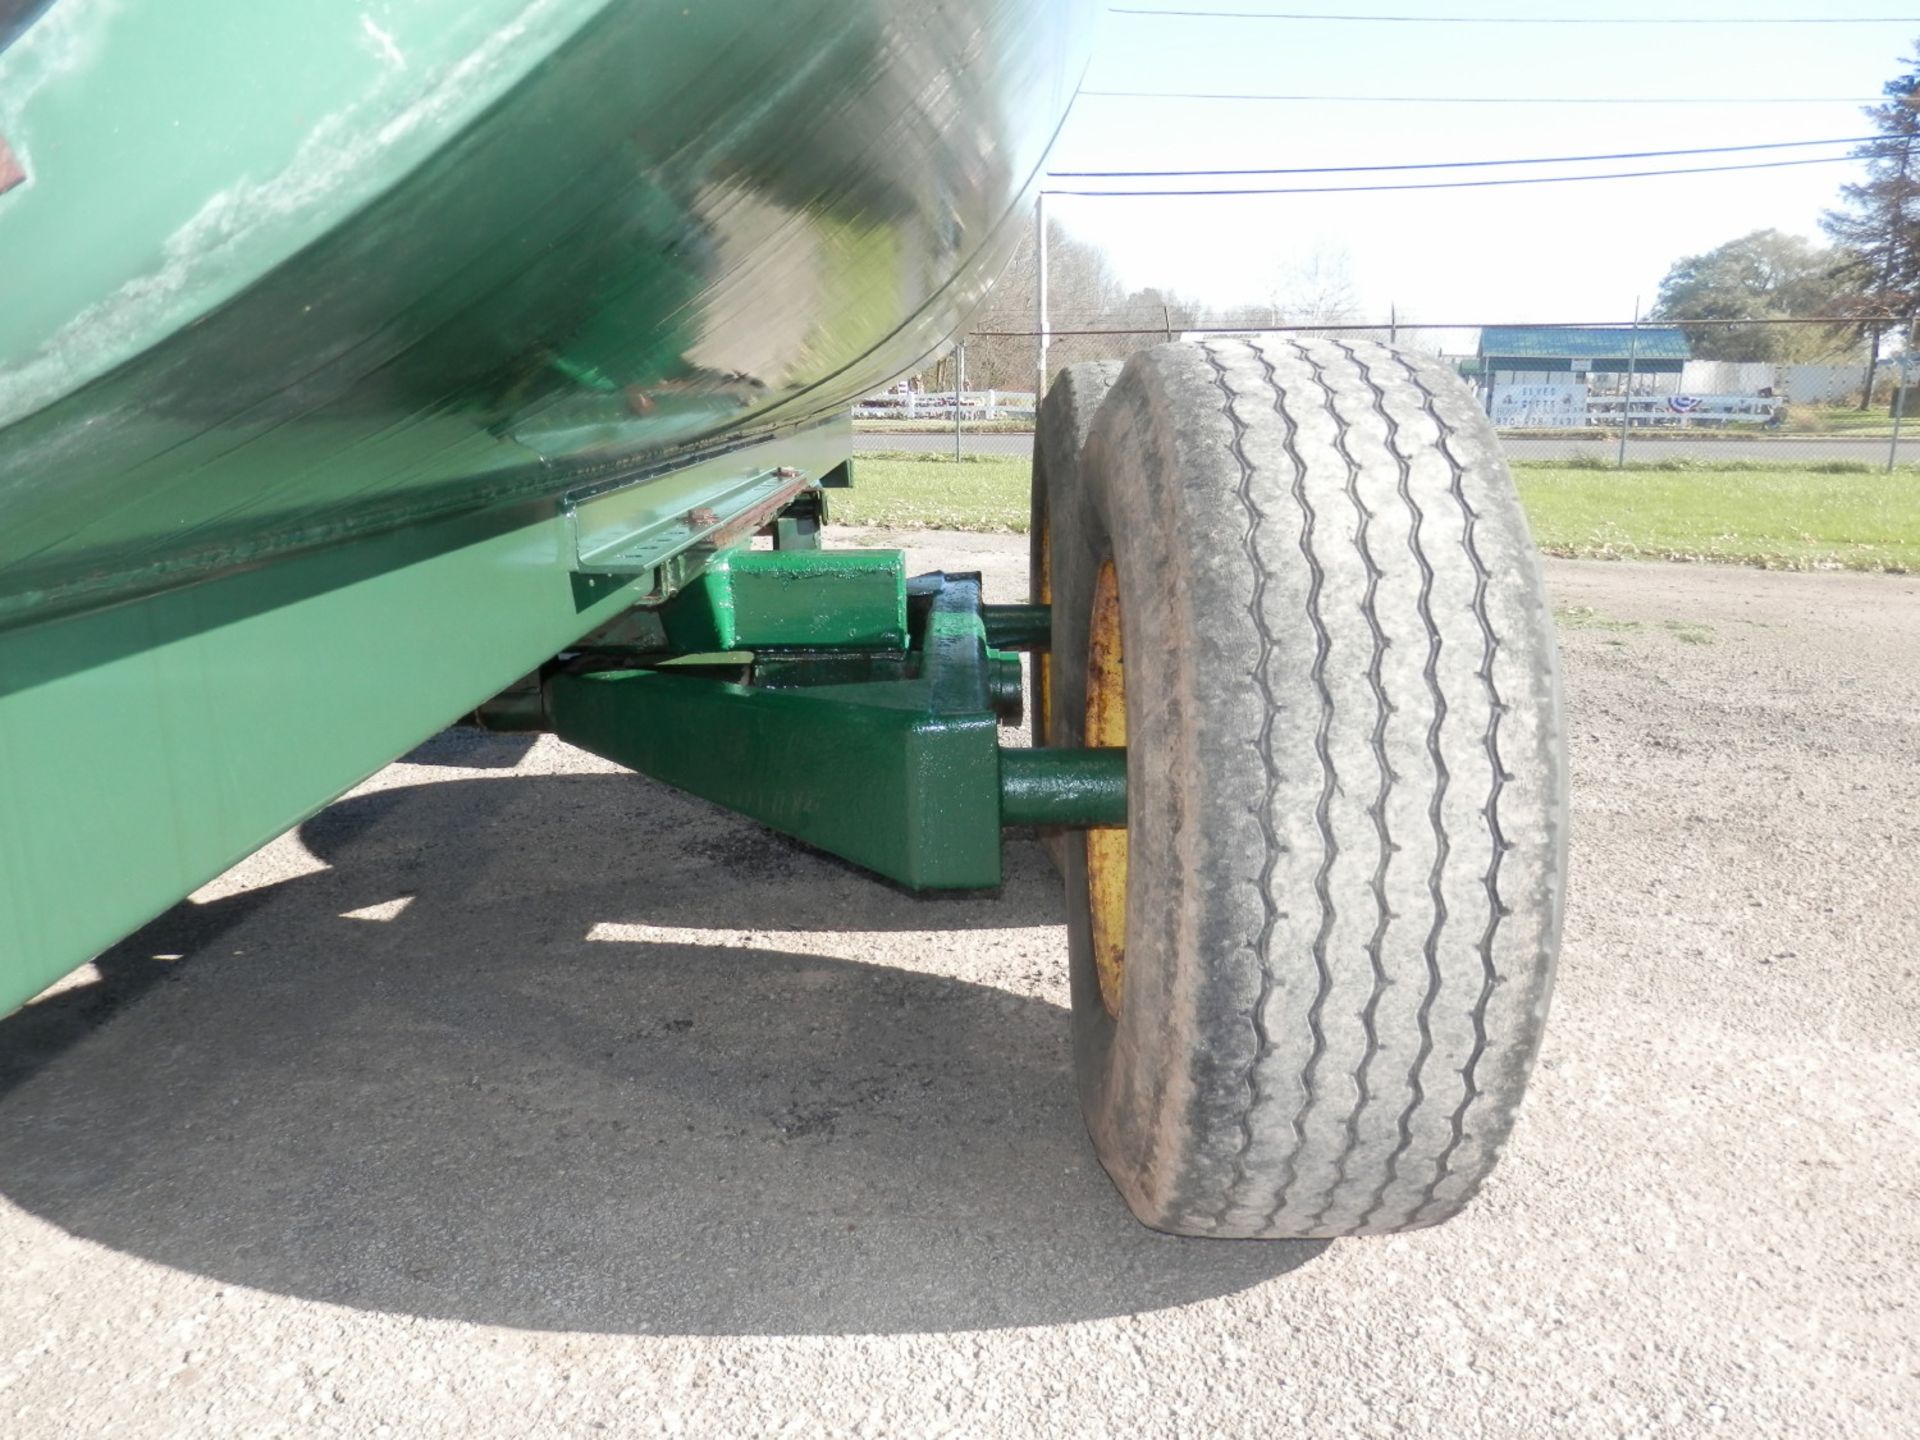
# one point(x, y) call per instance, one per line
point(1345, 859)
point(1059, 434)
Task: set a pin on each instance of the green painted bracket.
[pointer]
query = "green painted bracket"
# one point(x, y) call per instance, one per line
point(754, 599)
point(912, 796)
point(885, 756)
point(901, 776)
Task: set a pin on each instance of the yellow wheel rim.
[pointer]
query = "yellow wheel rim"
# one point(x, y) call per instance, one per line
point(1107, 849)
point(1043, 661)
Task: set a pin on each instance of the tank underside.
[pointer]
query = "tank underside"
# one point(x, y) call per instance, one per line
point(344, 446)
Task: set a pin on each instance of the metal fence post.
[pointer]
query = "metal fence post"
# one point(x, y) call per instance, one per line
point(1626, 398)
point(1040, 296)
point(1899, 406)
point(959, 391)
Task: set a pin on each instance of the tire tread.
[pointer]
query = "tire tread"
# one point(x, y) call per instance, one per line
point(1363, 1069)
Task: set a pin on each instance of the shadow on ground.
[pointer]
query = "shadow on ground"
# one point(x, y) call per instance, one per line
point(473, 1110)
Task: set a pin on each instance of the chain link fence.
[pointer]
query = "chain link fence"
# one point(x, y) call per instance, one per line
point(1789, 394)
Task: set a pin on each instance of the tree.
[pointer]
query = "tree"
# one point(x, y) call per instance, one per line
point(1081, 291)
point(1317, 289)
point(1766, 275)
point(1082, 294)
point(1878, 222)
point(1314, 289)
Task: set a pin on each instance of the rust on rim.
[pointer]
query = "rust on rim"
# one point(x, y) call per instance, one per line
point(1043, 659)
point(1107, 849)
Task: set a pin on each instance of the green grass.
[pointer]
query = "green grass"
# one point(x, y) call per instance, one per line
point(1696, 464)
point(1802, 518)
point(1827, 515)
point(936, 492)
point(1843, 419)
point(942, 427)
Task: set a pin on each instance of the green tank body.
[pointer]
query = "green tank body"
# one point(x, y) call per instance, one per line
point(354, 360)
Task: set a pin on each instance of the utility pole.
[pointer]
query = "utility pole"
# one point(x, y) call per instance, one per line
point(1626, 400)
point(1900, 393)
point(959, 391)
point(1899, 406)
point(1040, 297)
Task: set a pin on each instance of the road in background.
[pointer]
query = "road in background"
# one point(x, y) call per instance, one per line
point(518, 1096)
point(920, 443)
point(1785, 451)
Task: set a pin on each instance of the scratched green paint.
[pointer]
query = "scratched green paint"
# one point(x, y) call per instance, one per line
point(317, 315)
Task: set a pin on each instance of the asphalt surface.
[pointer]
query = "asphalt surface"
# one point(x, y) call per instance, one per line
point(517, 1096)
point(1785, 449)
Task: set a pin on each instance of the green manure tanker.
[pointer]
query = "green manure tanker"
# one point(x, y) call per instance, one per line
point(364, 369)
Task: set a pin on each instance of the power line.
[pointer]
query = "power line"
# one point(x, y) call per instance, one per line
point(1473, 184)
point(1495, 99)
point(1464, 164)
point(1520, 19)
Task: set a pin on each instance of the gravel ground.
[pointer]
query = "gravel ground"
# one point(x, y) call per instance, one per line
point(514, 1095)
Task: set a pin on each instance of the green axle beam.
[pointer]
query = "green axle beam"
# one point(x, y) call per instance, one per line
point(825, 695)
point(1074, 789)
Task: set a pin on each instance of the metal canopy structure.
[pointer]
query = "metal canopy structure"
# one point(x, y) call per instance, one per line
point(1596, 350)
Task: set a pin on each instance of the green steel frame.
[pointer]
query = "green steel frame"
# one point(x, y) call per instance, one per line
point(825, 695)
point(152, 744)
point(148, 745)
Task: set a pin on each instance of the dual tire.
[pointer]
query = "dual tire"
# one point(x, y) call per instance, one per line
point(1310, 976)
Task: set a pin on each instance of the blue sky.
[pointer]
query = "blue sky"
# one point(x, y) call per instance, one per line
point(1557, 252)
